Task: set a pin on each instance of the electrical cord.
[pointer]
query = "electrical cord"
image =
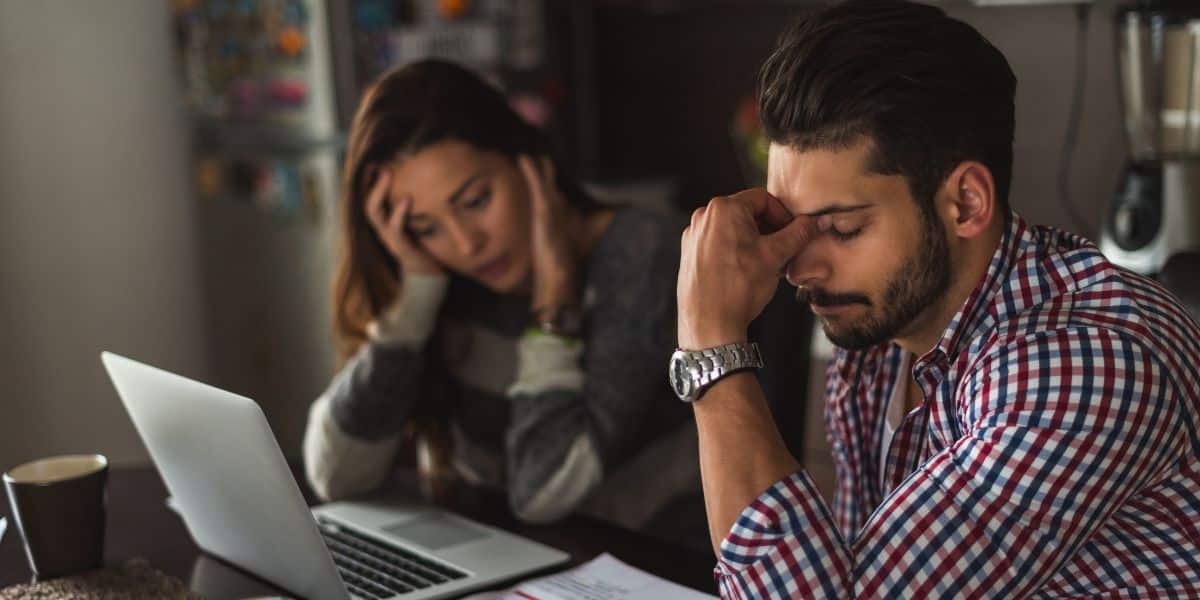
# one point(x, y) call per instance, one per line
point(1082, 12)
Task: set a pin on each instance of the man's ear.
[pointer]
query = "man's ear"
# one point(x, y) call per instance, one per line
point(971, 191)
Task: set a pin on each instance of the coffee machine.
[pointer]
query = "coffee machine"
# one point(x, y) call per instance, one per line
point(1155, 213)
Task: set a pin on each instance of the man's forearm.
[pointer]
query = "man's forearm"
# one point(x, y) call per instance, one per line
point(741, 452)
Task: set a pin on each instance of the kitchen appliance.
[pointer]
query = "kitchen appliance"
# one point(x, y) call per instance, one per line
point(1156, 211)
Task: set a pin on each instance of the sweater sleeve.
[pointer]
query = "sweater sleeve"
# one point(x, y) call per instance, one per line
point(579, 407)
point(354, 427)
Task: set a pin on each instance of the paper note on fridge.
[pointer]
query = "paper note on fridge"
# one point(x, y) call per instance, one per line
point(604, 578)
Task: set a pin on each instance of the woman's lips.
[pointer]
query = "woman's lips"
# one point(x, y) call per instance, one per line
point(493, 269)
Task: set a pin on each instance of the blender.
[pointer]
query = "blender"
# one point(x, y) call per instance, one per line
point(1155, 213)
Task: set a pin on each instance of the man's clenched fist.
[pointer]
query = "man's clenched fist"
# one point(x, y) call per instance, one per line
point(731, 258)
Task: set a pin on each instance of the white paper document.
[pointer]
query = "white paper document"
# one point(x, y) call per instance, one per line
point(603, 578)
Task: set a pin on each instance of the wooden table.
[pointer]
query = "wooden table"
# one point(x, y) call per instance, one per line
point(141, 525)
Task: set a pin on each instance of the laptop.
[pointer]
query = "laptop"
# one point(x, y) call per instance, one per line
point(230, 483)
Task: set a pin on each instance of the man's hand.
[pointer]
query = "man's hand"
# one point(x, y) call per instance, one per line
point(731, 258)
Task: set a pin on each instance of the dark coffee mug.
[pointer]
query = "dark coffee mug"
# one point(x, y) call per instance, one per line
point(58, 506)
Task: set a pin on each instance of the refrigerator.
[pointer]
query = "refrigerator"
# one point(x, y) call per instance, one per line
point(270, 88)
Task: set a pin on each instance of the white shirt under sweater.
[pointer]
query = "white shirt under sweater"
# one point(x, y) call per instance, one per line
point(894, 414)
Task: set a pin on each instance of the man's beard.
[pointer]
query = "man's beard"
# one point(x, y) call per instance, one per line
point(918, 284)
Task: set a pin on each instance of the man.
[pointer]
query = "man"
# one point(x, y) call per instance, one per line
point(1010, 414)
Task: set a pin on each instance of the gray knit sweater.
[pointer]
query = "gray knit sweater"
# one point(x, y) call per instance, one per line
point(560, 425)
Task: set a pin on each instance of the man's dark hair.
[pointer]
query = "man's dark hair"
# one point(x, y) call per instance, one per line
point(928, 90)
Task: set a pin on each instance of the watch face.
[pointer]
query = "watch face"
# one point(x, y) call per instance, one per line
point(678, 375)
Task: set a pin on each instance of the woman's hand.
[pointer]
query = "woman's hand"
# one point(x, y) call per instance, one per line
point(388, 219)
point(554, 254)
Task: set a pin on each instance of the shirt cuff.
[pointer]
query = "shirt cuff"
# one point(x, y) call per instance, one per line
point(790, 506)
point(546, 362)
point(410, 320)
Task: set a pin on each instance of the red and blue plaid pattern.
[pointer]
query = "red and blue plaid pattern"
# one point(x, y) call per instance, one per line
point(1056, 455)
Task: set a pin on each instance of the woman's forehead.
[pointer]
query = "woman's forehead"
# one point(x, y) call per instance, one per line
point(435, 174)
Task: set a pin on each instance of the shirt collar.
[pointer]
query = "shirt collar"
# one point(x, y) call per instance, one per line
point(981, 310)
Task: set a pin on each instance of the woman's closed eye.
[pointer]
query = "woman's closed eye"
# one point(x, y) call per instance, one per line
point(422, 230)
point(425, 230)
point(479, 200)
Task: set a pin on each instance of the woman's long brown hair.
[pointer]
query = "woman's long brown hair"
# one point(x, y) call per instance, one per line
point(404, 111)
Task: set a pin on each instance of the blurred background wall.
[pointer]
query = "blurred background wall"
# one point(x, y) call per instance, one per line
point(96, 227)
point(670, 75)
point(105, 241)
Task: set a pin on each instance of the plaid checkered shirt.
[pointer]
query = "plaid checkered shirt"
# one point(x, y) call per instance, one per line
point(1056, 453)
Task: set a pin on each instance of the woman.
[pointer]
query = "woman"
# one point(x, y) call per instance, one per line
point(479, 285)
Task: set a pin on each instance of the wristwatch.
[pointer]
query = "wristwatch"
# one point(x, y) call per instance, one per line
point(692, 372)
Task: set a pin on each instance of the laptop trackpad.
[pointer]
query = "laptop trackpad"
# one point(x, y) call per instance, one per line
point(435, 531)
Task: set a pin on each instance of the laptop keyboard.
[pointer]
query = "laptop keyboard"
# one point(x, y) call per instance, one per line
point(373, 569)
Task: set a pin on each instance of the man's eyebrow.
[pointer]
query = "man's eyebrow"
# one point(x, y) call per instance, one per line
point(837, 208)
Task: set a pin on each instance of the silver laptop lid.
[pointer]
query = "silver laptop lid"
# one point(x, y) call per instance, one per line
point(220, 462)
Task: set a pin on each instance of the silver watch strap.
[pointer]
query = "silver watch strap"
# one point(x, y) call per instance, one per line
point(717, 362)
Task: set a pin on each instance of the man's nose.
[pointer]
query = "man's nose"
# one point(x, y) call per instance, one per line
point(807, 266)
